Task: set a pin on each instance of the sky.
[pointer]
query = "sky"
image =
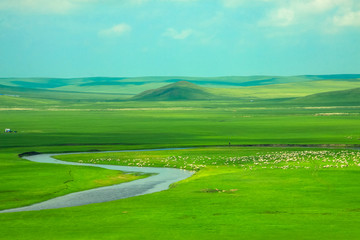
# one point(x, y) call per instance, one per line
point(128, 38)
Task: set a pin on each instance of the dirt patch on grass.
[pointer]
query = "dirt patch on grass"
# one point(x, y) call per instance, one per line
point(331, 114)
point(215, 190)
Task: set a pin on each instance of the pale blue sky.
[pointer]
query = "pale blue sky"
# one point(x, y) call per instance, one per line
point(80, 38)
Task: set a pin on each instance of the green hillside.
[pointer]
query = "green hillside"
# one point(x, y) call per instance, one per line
point(16, 101)
point(176, 91)
point(344, 97)
point(248, 88)
point(23, 93)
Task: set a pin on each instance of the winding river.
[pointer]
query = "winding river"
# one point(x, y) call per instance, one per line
point(155, 183)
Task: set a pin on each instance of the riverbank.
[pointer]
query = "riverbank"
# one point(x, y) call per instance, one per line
point(296, 196)
point(160, 180)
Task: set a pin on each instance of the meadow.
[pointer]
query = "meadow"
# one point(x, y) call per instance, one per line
point(241, 157)
point(178, 125)
point(291, 170)
point(251, 193)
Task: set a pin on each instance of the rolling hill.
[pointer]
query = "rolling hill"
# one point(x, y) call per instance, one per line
point(226, 87)
point(344, 97)
point(35, 93)
point(136, 85)
point(181, 90)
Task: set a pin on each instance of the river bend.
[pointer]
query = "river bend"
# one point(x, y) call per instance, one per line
point(155, 183)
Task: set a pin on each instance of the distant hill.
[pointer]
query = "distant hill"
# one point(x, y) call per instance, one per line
point(244, 87)
point(344, 97)
point(135, 85)
point(20, 94)
point(181, 90)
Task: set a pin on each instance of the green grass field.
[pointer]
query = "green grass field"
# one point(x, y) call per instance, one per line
point(181, 126)
point(256, 192)
point(26, 183)
point(308, 200)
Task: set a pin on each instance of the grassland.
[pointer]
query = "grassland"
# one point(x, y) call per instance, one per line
point(24, 183)
point(181, 126)
point(253, 158)
point(219, 201)
point(236, 193)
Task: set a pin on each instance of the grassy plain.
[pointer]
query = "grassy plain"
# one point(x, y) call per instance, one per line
point(25, 183)
point(220, 201)
point(236, 193)
point(181, 126)
point(251, 158)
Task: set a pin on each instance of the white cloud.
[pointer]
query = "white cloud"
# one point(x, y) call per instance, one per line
point(42, 6)
point(282, 17)
point(287, 13)
point(117, 30)
point(350, 18)
point(238, 3)
point(316, 6)
point(178, 35)
point(60, 6)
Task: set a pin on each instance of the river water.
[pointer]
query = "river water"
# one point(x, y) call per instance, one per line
point(155, 183)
